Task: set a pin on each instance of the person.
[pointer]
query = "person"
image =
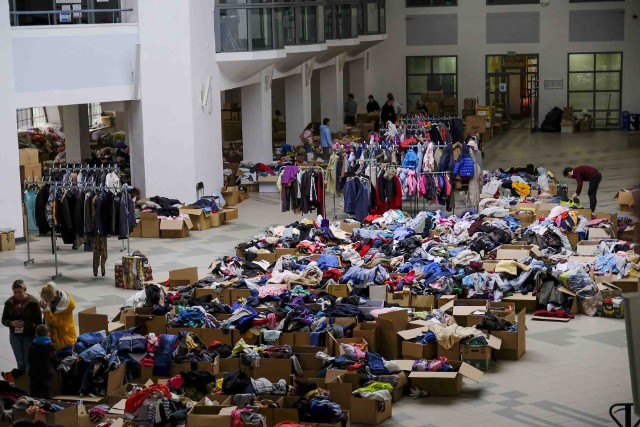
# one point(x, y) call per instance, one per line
point(396, 105)
point(58, 307)
point(21, 315)
point(42, 364)
point(585, 173)
point(350, 110)
point(277, 116)
point(372, 105)
point(286, 148)
point(306, 138)
point(325, 138)
point(388, 113)
point(421, 108)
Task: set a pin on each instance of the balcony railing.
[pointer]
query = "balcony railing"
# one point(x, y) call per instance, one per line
point(253, 25)
point(54, 12)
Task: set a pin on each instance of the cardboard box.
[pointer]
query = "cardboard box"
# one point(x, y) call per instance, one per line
point(150, 225)
point(269, 257)
point(115, 380)
point(514, 252)
point(574, 238)
point(445, 383)
point(513, 343)
point(433, 107)
point(389, 324)
point(175, 228)
point(412, 350)
point(480, 357)
point(423, 302)
point(587, 248)
point(599, 234)
point(90, 321)
point(470, 104)
point(7, 241)
point(142, 316)
point(585, 125)
point(137, 230)
point(199, 218)
point(210, 367)
point(216, 219)
point(475, 124)
point(229, 214)
point(28, 156)
point(567, 113)
point(369, 332)
point(401, 298)
point(31, 172)
point(273, 370)
point(367, 411)
point(626, 199)
point(67, 417)
point(279, 252)
point(526, 302)
point(231, 195)
point(183, 277)
point(627, 284)
point(451, 354)
point(210, 416)
point(339, 291)
point(349, 226)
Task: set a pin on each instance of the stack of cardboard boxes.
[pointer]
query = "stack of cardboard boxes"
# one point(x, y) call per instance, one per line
point(568, 123)
point(7, 240)
point(30, 167)
point(469, 107)
point(231, 122)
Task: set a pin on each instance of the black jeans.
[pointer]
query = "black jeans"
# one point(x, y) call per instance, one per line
point(325, 154)
point(41, 388)
point(593, 189)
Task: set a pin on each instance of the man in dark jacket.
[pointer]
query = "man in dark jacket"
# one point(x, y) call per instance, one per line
point(388, 113)
point(372, 105)
point(585, 173)
point(42, 364)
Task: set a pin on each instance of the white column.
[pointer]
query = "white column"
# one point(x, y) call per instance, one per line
point(75, 125)
point(135, 141)
point(356, 83)
point(181, 142)
point(332, 89)
point(298, 104)
point(256, 120)
point(10, 193)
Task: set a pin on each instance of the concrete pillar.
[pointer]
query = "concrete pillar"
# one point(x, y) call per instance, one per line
point(135, 141)
point(75, 125)
point(332, 89)
point(298, 104)
point(10, 193)
point(181, 142)
point(256, 120)
point(356, 83)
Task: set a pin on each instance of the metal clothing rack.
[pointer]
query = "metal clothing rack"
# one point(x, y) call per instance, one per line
point(72, 185)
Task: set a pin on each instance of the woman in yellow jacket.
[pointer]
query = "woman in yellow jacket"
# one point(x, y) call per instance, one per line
point(57, 307)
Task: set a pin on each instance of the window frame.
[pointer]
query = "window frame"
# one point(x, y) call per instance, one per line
point(94, 109)
point(429, 3)
point(31, 117)
point(511, 2)
point(593, 110)
point(428, 76)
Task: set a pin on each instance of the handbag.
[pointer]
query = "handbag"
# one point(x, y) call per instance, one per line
point(132, 272)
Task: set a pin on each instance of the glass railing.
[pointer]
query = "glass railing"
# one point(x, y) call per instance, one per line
point(253, 25)
point(48, 12)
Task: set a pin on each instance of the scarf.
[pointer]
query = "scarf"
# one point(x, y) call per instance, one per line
point(60, 302)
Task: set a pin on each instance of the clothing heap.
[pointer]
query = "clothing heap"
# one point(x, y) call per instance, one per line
point(46, 138)
point(520, 181)
point(301, 189)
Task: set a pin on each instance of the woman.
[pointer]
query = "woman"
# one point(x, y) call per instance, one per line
point(21, 315)
point(58, 307)
point(306, 138)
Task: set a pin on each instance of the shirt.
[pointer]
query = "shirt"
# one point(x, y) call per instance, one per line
point(373, 106)
point(583, 173)
point(350, 108)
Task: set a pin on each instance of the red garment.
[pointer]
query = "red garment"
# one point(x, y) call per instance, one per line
point(147, 361)
point(583, 173)
point(332, 273)
point(371, 218)
point(135, 400)
point(443, 132)
point(407, 143)
point(553, 313)
point(259, 322)
point(263, 168)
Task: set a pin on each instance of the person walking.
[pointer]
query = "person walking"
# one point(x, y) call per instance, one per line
point(582, 174)
point(21, 315)
point(325, 138)
point(58, 307)
point(350, 110)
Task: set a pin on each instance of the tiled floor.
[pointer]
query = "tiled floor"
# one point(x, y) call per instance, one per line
point(570, 374)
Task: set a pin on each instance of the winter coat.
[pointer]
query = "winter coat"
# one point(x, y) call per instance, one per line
point(446, 161)
point(62, 326)
point(465, 166)
point(410, 159)
point(428, 161)
point(30, 316)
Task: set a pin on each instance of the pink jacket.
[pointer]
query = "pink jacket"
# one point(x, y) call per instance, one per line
point(412, 183)
point(428, 160)
point(422, 185)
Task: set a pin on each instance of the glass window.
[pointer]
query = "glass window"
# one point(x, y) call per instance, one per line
point(595, 84)
point(95, 111)
point(431, 3)
point(510, 2)
point(233, 30)
point(372, 18)
point(261, 34)
point(431, 73)
point(30, 117)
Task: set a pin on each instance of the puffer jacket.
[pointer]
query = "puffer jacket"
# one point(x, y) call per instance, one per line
point(62, 326)
point(410, 159)
point(412, 183)
point(446, 161)
point(464, 166)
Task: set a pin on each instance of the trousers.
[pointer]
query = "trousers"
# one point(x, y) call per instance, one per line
point(40, 388)
point(100, 253)
point(20, 344)
point(593, 189)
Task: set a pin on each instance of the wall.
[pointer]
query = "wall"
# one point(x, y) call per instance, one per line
point(278, 96)
point(10, 208)
point(387, 71)
point(66, 65)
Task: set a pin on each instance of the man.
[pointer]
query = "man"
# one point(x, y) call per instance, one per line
point(372, 105)
point(396, 105)
point(585, 173)
point(350, 110)
point(388, 113)
point(325, 139)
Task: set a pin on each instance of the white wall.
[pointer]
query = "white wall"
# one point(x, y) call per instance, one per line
point(75, 64)
point(387, 63)
point(11, 205)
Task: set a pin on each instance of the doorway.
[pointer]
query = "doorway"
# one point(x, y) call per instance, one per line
point(512, 86)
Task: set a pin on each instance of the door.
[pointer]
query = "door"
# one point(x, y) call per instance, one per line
point(498, 91)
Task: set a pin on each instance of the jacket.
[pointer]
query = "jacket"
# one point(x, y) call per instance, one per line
point(446, 161)
point(388, 113)
point(42, 360)
point(31, 315)
point(325, 136)
point(356, 198)
point(410, 159)
point(464, 165)
point(62, 326)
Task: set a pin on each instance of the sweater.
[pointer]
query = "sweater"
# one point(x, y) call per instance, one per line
point(31, 315)
point(583, 173)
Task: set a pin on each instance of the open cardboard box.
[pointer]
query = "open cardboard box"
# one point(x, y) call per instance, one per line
point(349, 226)
point(480, 357)
point(369, 332)
point(366, 411)
point(403, 299)
point(67, 417)
point(150, 225)
point(115, 380)
point(229, 214)
point(183, 277)
point(423, 302)
point(588, 247)
point(389, 324)
point(122, 392)
point(208, 416)
point(199, 218)
point(513, 344)
point(599, 233)
point(210, 367)
point(273, 370)
point(412, 350)
point(527, 302)
point(340, 290)
point(441, 383)
point(175, 228)
point(513, 252)
point(90, 321)
point(338, 351)
point(627, 284)
point(133, 317)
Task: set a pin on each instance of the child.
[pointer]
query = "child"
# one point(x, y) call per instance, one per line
point(42, 364)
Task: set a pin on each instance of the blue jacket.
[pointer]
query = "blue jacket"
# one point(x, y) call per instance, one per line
point(464, 166)
point(410, 159)
point(356, 198)
point(325, 136)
